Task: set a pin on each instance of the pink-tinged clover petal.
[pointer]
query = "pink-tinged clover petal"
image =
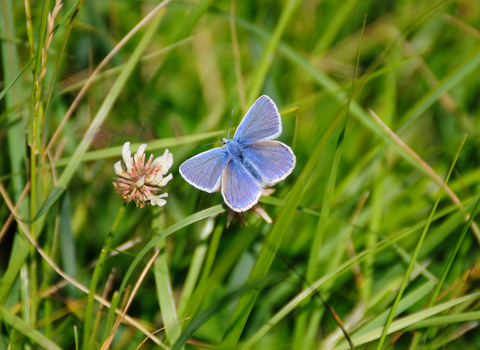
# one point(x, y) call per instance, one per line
point(163, 163)
point(140, 182)
point(139, 157)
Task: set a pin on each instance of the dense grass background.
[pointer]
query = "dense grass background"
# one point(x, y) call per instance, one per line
point(364, 221)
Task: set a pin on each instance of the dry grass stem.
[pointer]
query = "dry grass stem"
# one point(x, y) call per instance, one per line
point(63, 274)
point(9, 220)
point(108, 342)
point(102, 64)
point(438, 180)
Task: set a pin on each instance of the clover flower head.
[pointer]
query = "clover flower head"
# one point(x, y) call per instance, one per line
point(139, 181)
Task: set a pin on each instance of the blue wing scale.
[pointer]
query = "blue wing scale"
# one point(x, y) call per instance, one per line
point(262, 122)
point(270, 161)
point(204, 171)
point(240, 190)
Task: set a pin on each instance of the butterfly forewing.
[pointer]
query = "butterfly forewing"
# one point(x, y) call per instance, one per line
point(273, 161)
point(240, 190)
point(261, 122)
point(204, 171)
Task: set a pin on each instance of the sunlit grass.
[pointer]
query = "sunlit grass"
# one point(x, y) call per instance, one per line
point(366, 234)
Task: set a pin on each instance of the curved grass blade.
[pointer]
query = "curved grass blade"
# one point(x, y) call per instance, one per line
point(404, 304)
point(263, 66)
point(152, 145)
point(470, 63)
point(446, 269)
point(219, 305)
point(445, 320)
point(27, 330)
point(410, 320)
point(5, 90)
point(51, 199)
point(415, 255)
point(167, 232)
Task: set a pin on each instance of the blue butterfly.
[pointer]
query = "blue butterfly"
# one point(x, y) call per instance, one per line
point(244, 166)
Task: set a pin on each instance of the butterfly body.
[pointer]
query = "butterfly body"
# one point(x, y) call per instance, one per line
point(233, 148)
point(244, 166)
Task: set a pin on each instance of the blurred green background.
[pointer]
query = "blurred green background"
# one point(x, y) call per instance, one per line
point(361, 200)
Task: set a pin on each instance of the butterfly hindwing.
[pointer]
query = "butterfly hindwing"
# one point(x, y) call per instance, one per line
point(204, 171)
point(269, 161)
point(262, 122)
point(240, 190)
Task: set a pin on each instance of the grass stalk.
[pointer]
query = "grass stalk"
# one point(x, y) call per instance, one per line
point(414, 258)
point(88, 339)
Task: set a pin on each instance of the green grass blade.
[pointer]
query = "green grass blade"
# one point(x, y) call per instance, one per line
point(406, 302)
point(446, 269)
point(198, 263)
point(51, 199)
point(414, 257)
point(165, 296)
point(219, 305)
point(266, 61)
point(335, 25)
point(470, 63)
point(152, 145)
point(67, 243)
point(88, 335)
point(167, 232)
point(445, 320)
point(10, 65)
point(21, 326)
point(410, 320)
point(9, 86)
point(164, 286)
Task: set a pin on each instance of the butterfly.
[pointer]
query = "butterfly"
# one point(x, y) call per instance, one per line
point(246, 165)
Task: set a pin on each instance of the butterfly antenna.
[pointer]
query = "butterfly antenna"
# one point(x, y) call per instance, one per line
point(230, 126)
point(207, 144)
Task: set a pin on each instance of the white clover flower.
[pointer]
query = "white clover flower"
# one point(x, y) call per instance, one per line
point(139, 181)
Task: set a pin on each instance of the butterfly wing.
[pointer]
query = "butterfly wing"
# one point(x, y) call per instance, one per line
point(268, 161)
point(204, 171)
point(240, 190)
point(262, 121)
